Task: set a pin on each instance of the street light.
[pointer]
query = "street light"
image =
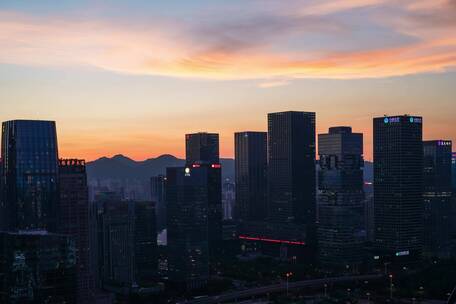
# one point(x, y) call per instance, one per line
point(368, 297)
point(421, 292)
point(391, 286)
point(288, 275)
point(326, 294)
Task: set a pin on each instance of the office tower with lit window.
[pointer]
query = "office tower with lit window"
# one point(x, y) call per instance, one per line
point(292, 170)
point(453, 172)
point(341, 231)
point(251, 175)
point(437, 197)
point(37, 267)
point(30, 175)
point(398, 187)
point(188, 195)
point(73, 220)
point(202, 150)
point(128, 239)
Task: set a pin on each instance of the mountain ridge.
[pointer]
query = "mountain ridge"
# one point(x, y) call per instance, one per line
point(120, 166)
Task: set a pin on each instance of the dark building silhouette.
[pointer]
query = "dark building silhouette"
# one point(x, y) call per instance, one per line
point(30, 174)
point(228, 199)
point(2, 199)
point(127, 239)
point(437, 196)
point(251, 175)
point(73, 220)
point(398, 187)
point(453, 171)
point(341, 231)
point(369, 217)
point(202, 148)
point(453, 205)
point(37, 267)
point(190, 192)
point(96, 209)
point(157, 187)
point(292, 170)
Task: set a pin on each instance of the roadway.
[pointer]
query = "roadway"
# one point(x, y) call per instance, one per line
point(277, 288)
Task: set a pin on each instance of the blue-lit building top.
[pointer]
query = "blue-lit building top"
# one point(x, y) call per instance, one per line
point(398, 185)
point(30, 170)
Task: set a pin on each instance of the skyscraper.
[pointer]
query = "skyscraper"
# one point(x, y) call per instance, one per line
point(291, 170)
point(398, 186)
point(437, 196)
point(37, 267)
point(341, 233)
point(202, 147)
point(453, 171)
point(202, 151)
point(128, 239)
point(453, 204)
point(187, 196)
point(30, 174)
point(251, 175)
point(73, 220)
point(157, 187)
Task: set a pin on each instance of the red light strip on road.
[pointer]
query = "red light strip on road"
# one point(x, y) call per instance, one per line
point(249, 238)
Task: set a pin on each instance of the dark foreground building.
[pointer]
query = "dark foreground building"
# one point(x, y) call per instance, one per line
point(251, 175)
point(341, 232)
point(437, 197)
point(453, 170)
point(292, 172)
point(73, 220)
point(127, 250)
point(37, 267)
point(190, 192)
point(202, 147)
point(30, 175)
point(202, 151)
point(157, 191)
point(398, 187)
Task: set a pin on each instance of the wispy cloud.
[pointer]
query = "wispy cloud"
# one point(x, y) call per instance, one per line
point(273, 83)
point(266, 44)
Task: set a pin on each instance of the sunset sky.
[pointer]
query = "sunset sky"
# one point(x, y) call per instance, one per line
point(132, 77)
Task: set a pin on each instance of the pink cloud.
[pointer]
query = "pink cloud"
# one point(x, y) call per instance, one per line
point(235, 51)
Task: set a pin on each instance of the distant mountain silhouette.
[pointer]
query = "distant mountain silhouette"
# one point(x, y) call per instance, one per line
point(122, 167)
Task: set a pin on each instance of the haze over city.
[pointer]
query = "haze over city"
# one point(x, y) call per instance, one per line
point(134, 77)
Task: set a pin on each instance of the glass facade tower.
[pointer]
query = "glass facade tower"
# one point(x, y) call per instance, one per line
point(398, 187)
point(437, 196)
point(341, 233)
point(30, 174)
point(251, 175)
point(291, 170)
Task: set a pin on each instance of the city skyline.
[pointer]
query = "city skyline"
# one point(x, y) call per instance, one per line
point(213, 151)
point(134, 80)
